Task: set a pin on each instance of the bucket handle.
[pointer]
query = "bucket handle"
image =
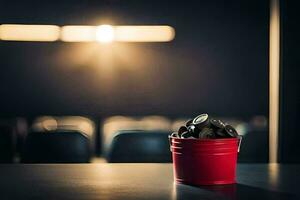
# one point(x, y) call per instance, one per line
point(239, 145)
point(240, 142)
point(170, 142)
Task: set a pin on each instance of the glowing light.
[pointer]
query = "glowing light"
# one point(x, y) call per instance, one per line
point(274, 77)
point(105, 33)
point(78, 33)
point(20, 32)
point(144, 33)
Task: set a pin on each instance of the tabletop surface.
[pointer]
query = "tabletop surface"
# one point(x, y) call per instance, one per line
point(141, 181)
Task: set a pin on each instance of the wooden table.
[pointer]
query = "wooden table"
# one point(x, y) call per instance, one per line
point(141, 181)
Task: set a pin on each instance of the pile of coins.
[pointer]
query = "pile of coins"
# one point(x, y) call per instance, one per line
point(203, 127)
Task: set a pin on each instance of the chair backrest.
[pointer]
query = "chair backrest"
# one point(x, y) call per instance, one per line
point(254, 147)
point(67, 123)
point(113, 125)
point(139, 146)
point(59, 146)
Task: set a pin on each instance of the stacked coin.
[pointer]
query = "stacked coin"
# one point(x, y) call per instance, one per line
point(204, 127)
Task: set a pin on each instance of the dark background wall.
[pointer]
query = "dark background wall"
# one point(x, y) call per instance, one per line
point(218, 62)
point(290, 82)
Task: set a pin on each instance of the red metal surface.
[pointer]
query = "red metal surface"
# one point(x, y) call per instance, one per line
point(205, 161)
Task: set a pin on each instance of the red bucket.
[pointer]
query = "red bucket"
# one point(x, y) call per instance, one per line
point(204, 161)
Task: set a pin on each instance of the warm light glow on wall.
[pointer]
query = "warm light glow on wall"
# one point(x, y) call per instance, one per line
point(144, 33)
point(102, 33)
point(274, 72)
point(18, 32)
point(78, 33)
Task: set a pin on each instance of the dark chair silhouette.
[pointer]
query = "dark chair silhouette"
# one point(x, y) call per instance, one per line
point(139, 147)
point(254, 147)
point(59, 146)
point(8, 141)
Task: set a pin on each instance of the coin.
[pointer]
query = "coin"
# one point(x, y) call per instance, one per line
point(186, 134)
point(174, 134)
point(203, 127)
point(231, 131)
point(193, 129)
point(206, 133)
point(221, 133)
point(196, 132)
point(182, 129)
point(217, 124)
point(201, 121)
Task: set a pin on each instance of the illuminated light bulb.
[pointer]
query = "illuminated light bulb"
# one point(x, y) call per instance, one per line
point(105, 33)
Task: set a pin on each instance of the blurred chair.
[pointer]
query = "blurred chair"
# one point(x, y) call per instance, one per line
point(112, 126)
point(254, 147)
point(65, 139)
point(69, 123)
point(57, 146)
point(139, 147)
point(255, 144)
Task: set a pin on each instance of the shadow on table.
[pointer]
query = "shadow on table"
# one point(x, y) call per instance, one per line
point(235, 191)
